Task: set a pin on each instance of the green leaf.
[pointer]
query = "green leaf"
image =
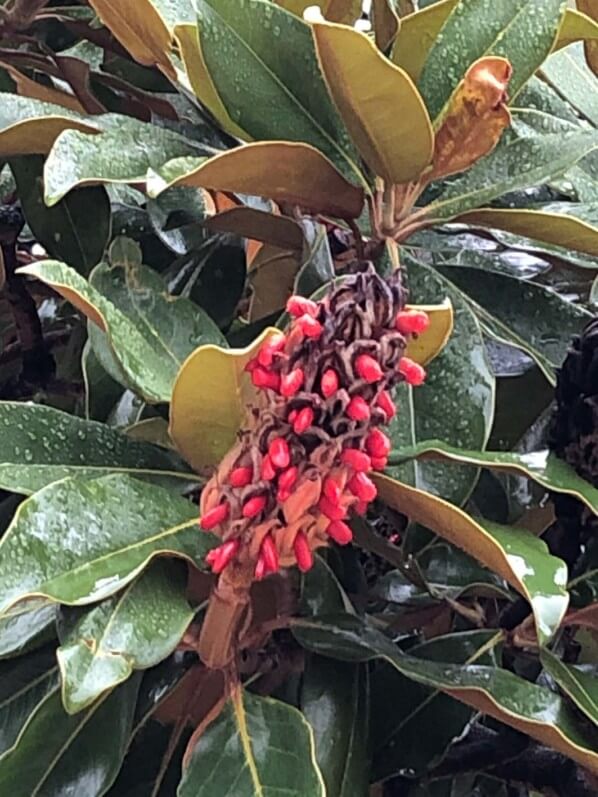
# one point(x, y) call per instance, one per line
point(256, 746)
point(58, 754)
point(248, 44)
point(41, 445)
point(321, 591)
point(78, 158)
point(523, 560)
point(457, 399)
point(515, 163)
point(76, 229)
point(150, 332)
point(523, 31)
point(568, 72)
point(417, 735)
point(25, 627)
point(24, 684)
point(335, 702)
point(102, 392)
point(543, 467)
point(528, 316)
point(134, 630)
point(501, 694)
point(76, 541)
point(578, 683)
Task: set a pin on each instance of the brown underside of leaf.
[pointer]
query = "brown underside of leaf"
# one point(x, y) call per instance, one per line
point(590, 8)
point(475, 120)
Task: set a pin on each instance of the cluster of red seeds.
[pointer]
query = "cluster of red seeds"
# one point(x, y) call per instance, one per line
point(301, 466)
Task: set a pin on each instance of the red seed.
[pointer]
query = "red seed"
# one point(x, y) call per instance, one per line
point(332, 511)
point(260, 569)
point(332, 490)
point(262, 378)
point(368, 368)
point(386, 404)
point(214, 516)
point(358, 460)
point(288, 478)
point(329, 383)
point(377, 444)
point(271, 347)
point(292, 415)
point(413, 372)
point(309, 326)
point(283, 495)
point(303, 420)
point(412, 322)
point(251, 365)
point(298, 306)
point(240, 477)
point(292, 382)
point(358, 409)
point(363, 487)
point(379, 463)
point(279, 453)
point(302, 551)
point(360, 508)
point(270, 555)
point(339, 532)
point(268, 472)
point(253, 506)
point(220, 557)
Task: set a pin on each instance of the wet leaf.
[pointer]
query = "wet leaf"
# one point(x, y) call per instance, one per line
point(367, 89)
point(238, 753)
point(26, 627)
point(501, 694)
point(41, 445)
point(76, 541)
point(521, 32)
point(303, 177)
point(209, 401)
point(148, 332)
point(29, 127)
point(578, 683)
point(543, 467)
point(590, 12)
point(248, 44)
point(521, 314)
point(122, 153)
point(475, 118)
point(133, 630)
point(58, 754)
point(568, 224)
point(76, 229)
point(259, 225)
point(514, 164)
point(568, 72)
point(523, 560)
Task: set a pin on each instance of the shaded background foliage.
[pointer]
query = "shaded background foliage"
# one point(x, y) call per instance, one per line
point(450, 651)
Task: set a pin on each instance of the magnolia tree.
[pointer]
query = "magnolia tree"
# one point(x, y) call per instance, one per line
point(287, 505)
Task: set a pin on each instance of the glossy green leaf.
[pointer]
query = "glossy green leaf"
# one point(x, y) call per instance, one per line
point(580, 684)
point(514, 164)
point(523, 560)
point(133, 630)
point(321, 591)
point(76, 229)
point(568, 72)
point(248, 44)
point(528, 316)
point(123, 153)
point(102, 392)
point(24, 684)
point(523, 31)
point(543, 467)
point(30, 127)
point(41, 445)
point(150, 332)
point(76, 541)
point(412, 725)
point(335, 701)
point(437, 408)
point(58, 754)
point(25, 627)
point(256, 746)
point(501, 694)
